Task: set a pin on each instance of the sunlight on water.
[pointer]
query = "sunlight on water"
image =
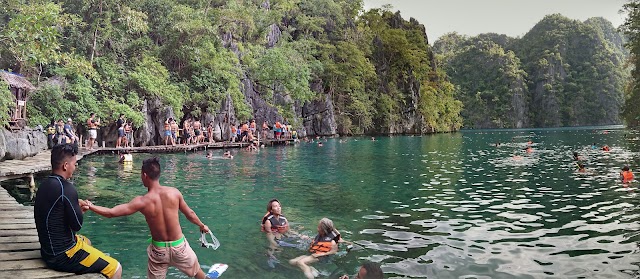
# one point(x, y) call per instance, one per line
point(442, 206)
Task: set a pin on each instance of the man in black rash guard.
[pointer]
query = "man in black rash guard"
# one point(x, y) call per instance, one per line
point(58, 215)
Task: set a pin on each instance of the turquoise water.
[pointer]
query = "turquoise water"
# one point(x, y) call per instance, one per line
point(441, 206)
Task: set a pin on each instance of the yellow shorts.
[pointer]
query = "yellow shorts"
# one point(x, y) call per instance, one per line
point(84, 258)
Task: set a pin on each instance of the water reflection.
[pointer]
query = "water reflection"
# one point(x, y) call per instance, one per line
point(443, 206)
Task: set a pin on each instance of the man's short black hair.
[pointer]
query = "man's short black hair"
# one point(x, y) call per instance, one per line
point(61, 153)
point(151, 167)
point(373, 271)
point(122, 114)
point(92, 114)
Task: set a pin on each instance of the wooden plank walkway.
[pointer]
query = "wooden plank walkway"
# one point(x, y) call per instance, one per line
point(12, 169)
point(19, 246)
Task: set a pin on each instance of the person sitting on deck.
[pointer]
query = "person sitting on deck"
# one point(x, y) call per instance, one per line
point(161, 206)
point(58, 215)
point(626, 175)
point(69, 132)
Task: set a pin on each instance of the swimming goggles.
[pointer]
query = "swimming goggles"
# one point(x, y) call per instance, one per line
point(214, 241)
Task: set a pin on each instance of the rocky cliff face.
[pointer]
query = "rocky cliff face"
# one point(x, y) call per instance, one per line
point(21, 144)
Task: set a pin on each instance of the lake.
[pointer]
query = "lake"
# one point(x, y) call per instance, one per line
point(437, 206)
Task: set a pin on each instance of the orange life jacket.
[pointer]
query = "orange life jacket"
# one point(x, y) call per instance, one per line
point(322, 244)
point(627, 176)
point(279, 224)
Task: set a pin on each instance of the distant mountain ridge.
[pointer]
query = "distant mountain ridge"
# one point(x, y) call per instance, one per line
point(563, 72)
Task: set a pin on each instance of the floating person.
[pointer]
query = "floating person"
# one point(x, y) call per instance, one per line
point(373, 139)
point(626, 175)
point(581, 168)
point(160, 206)
point(529, 149)
point(576, 157)
point(498, 144)
point(227, 155)
point(368, 270)
point(126, 158)
point(319, 143)
point(209, 155)
point(594, 146)
point(322, 247)
point(274, 224)
point(606, 148)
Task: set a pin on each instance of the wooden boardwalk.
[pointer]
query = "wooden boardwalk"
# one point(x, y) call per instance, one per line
point(12, 169)
point(19, 246)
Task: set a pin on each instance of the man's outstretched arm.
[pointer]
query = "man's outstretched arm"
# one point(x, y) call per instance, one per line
point(191, 215)
point(119, 210)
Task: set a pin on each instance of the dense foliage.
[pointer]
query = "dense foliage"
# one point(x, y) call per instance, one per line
point(111, 56)
point(631, 28)
point(573, 72)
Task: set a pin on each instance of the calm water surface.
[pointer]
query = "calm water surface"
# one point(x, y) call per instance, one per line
point(442, 206)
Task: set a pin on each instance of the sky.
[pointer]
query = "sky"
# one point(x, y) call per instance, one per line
point(511, 17)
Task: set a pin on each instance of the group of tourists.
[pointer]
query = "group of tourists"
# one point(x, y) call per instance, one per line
point(322, 248)
point(626, 175)
point(247, 132)
point(191, 133)
point(58, 213)
point(59, 132)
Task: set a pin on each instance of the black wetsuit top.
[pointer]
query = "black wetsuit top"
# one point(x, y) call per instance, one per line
point(58, 215)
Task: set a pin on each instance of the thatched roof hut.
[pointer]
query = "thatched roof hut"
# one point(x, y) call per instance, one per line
point(19, 87)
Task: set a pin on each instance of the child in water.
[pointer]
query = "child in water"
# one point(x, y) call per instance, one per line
point(626, 175)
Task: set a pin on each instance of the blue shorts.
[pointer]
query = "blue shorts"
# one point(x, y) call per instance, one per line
point(167, 133)
point(120, 132)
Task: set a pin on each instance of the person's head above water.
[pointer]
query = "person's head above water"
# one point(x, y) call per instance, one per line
point(625, 168)
point(325, 226)
point(150, 170)
point(370, 270)
point(274, 207)
point(63, 159)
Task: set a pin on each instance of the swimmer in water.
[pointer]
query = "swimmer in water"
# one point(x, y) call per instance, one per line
point(626, 175)
point(529, 149)
point(576, 157)
point(606, 148)
point(227, 155)
point(581, 168)
point(319, 143)
point(126, 158)
point(209, 155)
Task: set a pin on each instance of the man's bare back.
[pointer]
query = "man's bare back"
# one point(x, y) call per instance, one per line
point(160, 206)
point(161, 212)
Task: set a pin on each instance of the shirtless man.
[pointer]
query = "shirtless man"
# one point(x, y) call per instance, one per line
point(92, 124)
point(160, 208)
point(174, 131)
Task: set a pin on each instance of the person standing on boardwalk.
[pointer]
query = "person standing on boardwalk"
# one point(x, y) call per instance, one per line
point(160, 207)
point(120, 129)
point(92, 125)
point(58, 216)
